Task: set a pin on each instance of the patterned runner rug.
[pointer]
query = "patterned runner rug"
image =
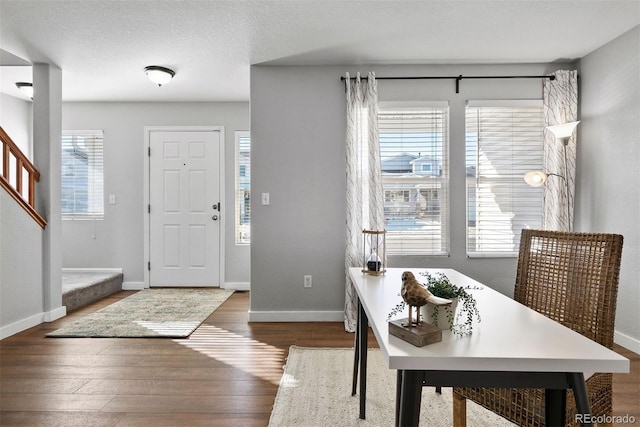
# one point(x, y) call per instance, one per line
point(161, 313)
point(315, 390)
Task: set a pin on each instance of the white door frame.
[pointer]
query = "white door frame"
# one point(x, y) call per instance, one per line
point(145, 205)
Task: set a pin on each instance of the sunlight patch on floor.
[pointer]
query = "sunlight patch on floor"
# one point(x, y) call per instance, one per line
point(254, 357)
point(175, 328)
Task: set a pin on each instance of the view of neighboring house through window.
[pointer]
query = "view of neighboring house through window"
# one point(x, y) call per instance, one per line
point(503, 141)
point(82, 175)
point(243, 187)
point(414, 140)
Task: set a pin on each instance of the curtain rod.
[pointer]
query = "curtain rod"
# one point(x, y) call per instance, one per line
point(456, 78)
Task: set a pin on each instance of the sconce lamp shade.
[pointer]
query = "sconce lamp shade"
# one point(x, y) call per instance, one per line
point(535, 178)
point(564, 130)
point(159, 75)
point(25, 88)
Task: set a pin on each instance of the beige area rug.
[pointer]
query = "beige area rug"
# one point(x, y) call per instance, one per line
point(150, 313)
point(315, 390)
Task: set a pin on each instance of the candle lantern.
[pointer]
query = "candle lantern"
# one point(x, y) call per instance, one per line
point(374, 257)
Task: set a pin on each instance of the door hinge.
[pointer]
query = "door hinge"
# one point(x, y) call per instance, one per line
point(148, 208)
point(149, 151)
point(149, 265)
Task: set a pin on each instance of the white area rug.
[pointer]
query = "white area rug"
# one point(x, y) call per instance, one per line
point(151, 313)
point(315, 390)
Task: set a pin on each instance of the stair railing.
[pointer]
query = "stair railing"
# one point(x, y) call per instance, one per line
point(16, 169)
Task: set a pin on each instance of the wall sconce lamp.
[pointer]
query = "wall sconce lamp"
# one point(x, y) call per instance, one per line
point(537, 178)
point(25, 88)
point(159, 75)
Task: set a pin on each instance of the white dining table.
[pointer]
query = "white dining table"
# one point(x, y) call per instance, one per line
point(512, 346)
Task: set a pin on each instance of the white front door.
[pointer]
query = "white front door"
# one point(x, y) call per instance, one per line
point(184, 208)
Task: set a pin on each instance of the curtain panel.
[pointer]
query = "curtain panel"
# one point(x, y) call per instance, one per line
point(365, 198)
point(560, 99)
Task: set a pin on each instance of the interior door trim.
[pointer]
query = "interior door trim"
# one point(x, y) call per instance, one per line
point(146, 195)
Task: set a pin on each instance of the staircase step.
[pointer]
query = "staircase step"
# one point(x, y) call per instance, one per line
point(82, 288)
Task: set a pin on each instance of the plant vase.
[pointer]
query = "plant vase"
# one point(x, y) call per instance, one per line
point(440, 316)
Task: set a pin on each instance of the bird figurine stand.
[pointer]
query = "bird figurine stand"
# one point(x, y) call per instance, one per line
point(416, 332)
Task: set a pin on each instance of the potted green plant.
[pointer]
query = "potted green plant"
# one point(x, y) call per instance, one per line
point(445, 317)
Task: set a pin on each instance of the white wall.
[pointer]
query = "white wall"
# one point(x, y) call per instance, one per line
point(608, 164)
point(117, 241)
point(298, 131)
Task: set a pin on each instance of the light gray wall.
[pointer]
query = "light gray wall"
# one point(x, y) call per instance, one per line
point(21, 288)
point(608, 162)
point(298, 131)
point(15, 119)
point(47, 113)
point(117, 241)
point(20, 236)
point(30, 261)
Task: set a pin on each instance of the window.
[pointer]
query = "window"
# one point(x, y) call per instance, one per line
point(243, 188)
point(82, 175)
point(503, 142)
point(414, 140)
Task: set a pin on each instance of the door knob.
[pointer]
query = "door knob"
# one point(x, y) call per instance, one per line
point(215, 217)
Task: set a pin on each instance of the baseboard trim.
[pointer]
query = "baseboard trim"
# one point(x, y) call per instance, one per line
point(31, 321)
point(133, 286)
point(20, 325)
point(296, 316)
point(238, 286)
point(626, 341)
point(50, 316)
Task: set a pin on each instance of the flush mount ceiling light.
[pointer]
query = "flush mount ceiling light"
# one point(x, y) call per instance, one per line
point(25, 88)
point(159, 75)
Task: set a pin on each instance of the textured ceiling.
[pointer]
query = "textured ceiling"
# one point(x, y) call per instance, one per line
point(103, 46)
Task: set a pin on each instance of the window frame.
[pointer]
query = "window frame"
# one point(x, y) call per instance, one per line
point(406, 240)
point(515, 103)
point(95, 179)
point(242, 178)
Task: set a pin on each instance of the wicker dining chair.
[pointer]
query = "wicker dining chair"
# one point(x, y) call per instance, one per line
point(571, 278)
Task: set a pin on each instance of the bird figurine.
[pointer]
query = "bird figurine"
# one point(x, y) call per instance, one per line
point(415, 294)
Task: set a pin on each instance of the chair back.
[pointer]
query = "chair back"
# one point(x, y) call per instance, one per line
point(571, 278)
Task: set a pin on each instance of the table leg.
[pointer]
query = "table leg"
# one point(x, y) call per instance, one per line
point(579, 387)
point(398, 395)
point(555, 407)
point(356, 354)
point(363, 329)
point(410, 398)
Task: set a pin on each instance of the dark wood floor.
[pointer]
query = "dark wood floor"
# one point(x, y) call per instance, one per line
point(226, 373)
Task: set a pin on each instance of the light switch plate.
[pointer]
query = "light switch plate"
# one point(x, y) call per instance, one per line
point(265, 199)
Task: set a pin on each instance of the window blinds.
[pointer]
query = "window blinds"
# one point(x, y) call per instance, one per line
point(503, 142)
point(82, 175)
point(243, 187)
point(414, 161)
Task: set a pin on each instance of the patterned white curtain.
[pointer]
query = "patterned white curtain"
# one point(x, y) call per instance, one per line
point(365, 198)
point(560, 99)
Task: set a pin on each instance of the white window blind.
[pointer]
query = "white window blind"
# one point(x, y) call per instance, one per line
point(243, 188)
point(82, 175)
point(503, 142)
point(414, 142)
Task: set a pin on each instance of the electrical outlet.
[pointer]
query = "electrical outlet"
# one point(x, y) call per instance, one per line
point(308, 281)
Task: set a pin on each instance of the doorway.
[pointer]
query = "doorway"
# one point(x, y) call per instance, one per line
point(184, 225)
